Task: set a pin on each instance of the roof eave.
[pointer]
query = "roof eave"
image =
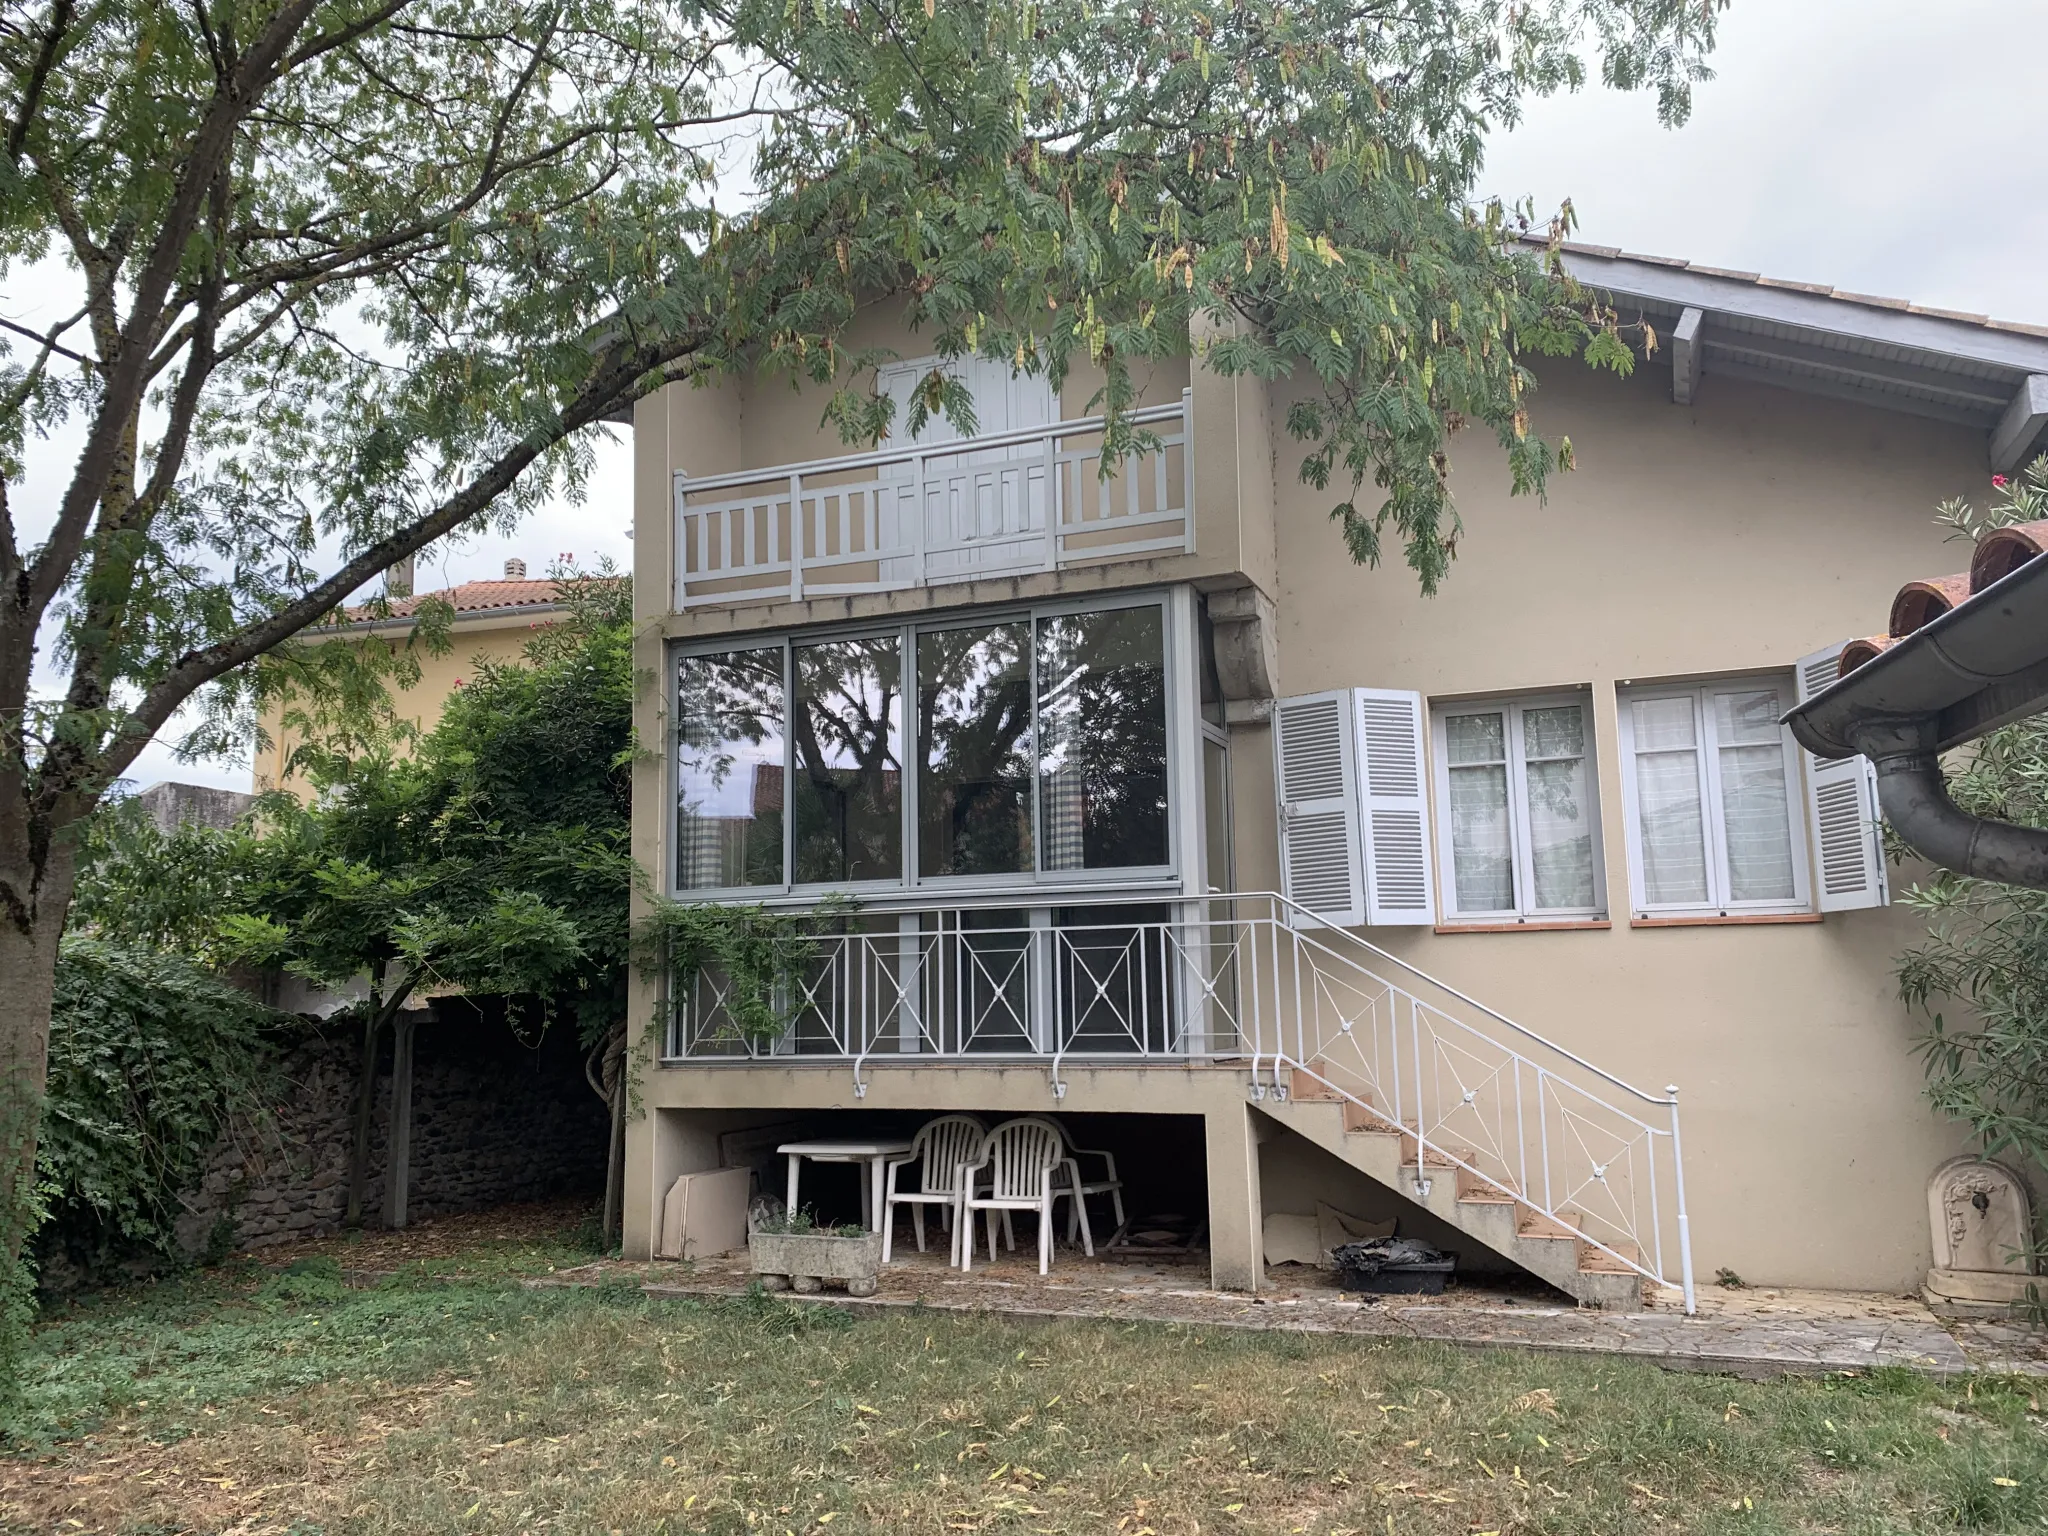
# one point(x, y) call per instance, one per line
point(462, 616)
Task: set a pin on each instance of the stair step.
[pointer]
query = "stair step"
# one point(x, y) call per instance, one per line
point(1364, 1120)
point(1594, 1261)
point(1439, 1157)
point(1306, 1087)
point(1474, 1190)
point(1536, 1225)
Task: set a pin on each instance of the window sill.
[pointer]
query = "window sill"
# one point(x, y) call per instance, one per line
point(1714, 920)
point(1547, 925)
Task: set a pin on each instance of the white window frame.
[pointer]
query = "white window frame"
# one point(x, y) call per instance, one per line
point(1182, 746)
point(1522, 856)
point(1708, 748)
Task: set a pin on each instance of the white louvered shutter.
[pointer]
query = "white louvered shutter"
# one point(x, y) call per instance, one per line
point(1394, 808)
point(1319, 839)
point(1841, 811)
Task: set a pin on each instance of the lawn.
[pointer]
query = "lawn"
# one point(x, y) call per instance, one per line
point(452, 1398)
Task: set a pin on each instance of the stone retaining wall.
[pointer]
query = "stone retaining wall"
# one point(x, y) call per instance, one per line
point(493, 1121)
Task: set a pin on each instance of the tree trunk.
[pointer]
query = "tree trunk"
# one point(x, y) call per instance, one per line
point(29, 935)
point(615, 1157)
point(604, 1068)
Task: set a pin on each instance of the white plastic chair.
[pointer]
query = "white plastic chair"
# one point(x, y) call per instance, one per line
point(1108, 1184)
point(940, 1148)
point(1079, 1189)
point(1020, 1157)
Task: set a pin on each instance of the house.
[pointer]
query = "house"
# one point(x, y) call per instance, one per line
point(1305, 889)
point(493, 622)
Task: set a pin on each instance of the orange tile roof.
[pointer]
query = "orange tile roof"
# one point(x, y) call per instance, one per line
point(472, 597)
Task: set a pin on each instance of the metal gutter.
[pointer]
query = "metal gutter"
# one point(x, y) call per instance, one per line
point(1981, 665)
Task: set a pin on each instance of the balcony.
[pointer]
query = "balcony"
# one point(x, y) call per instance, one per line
point(998, 505)
point(1532, 1146)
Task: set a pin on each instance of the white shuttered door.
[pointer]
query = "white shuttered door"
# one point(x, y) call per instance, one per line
point(1314, 772)
point(1841, 811)
point(1394, 807)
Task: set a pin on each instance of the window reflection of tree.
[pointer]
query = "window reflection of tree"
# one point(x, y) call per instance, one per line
point(848, 723)
point(1102, 717)
point(729, 725)
point(973, 727)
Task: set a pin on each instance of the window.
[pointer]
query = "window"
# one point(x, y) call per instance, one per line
point(848, 801)
point(1102, 739)
point(1712, 783)
point(729, 764)
point(974, 769)
point(1030, 745)
point(1518, 826)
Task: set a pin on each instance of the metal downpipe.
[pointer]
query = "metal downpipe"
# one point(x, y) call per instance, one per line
point(1915, 798)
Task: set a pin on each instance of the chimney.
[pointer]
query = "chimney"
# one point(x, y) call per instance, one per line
point(398, 580)
point(515, 570)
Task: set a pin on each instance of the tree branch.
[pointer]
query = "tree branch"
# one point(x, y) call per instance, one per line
point(39, 77)
point(617, 381)
point(127, 370)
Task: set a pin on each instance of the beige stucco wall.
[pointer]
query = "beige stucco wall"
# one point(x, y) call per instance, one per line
point(1739, 533)
point(1736, 534)
point(499, 640)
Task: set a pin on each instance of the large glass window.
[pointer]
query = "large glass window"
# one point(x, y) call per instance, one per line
point(1516, 785)
point(848, 794)
point(1102, 740)
point(1711, 775)
point(729, 769)
point(1034, 745)
point(974, 736)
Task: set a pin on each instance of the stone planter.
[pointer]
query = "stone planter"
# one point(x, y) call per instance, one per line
point(804, 1261)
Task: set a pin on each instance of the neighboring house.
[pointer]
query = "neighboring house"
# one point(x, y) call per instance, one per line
point(1537, 839)
point(494, 620)
point(172, 805)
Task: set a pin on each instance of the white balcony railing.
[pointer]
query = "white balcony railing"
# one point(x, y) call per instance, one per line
point(1033, 500)
point(1249, 982)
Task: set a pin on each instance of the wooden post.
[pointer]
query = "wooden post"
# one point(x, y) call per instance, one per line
point(398, 1150)
point(366, 1100)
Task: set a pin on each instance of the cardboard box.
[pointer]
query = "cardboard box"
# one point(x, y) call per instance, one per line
point(705, 1213)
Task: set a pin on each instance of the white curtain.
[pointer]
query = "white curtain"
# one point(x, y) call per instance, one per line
point(1670, 825)
point(1560, 824)
point(1755, 805)
point(1482, 867)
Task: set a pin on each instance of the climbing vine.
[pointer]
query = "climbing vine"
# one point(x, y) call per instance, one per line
point(762, 956)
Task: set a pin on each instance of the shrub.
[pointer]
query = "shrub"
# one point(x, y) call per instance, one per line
point(153, 1059)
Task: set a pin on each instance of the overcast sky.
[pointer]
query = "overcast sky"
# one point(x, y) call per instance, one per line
point(1883, 146)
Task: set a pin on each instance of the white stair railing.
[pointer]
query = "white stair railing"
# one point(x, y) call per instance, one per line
point(1252, 981)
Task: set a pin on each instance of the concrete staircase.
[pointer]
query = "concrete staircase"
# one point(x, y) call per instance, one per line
point(1350, 1128)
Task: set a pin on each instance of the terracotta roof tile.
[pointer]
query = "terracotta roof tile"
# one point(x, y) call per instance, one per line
point(1857, 652)
point(2005, 550)
point(1919, 602)
point(1998, 554)
point(470, 597)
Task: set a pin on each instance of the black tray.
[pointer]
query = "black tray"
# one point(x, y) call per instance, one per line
point(1400, 1280)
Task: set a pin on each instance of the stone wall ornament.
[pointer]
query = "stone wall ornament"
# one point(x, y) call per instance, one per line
point(1982, 1224)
